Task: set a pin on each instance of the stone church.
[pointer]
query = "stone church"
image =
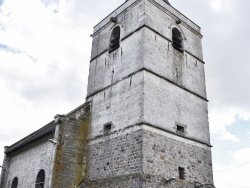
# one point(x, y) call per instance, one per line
point(145, 120)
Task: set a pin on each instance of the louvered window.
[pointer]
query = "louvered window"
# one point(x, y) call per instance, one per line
point(114, 42)
point(177, 40)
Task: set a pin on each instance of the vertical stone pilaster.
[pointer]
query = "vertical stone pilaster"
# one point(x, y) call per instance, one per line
point(5, 171)
point(71, 152)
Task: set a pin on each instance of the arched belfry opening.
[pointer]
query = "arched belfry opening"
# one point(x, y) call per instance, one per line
point(177, 39)
point(114, 41)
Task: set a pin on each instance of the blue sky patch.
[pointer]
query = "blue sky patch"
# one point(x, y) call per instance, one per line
point(223, 149)
point(240, 128)
point(2, 46)
point(1, 2)
point(9, 49)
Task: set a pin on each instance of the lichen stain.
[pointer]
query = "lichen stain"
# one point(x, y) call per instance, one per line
point(82, 145)
point(72, 150)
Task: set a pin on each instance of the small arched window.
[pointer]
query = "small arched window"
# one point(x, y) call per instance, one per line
point(14, 183)
point(114, 41)
point(40, 179)
point(177, 39)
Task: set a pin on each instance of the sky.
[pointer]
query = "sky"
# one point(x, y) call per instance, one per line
point(44, 57)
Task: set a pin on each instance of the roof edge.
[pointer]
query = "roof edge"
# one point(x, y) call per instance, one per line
point(40, 133)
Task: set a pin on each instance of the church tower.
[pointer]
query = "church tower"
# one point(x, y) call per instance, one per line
point(149, 125)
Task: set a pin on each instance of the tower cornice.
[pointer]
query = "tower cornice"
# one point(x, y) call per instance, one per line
point(168, 9)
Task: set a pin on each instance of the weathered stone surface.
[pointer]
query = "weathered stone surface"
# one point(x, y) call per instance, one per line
point(159, 182)
point(146, 86)
point(118, 156)
point(121, 104)
point(61, 154)
point(166, 105)
point(141, 92)
point(163, 155)
point(71, 154)
point(26, 164)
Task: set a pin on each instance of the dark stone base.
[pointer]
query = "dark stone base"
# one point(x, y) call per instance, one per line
point(141, 181)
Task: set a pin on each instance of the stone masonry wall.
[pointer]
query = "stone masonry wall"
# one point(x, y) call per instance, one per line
point(166, 105)
point(121, 105)
point(114, 157)
point(180, 68)
point(5, 171)
point(71, 152)
point(163, 155)
point(129, 17)
point(146, 159)
point(69, 145)
point(126, 181)
point(141, 180)
point(159, 182)
point(26, 164)
point(162, 21)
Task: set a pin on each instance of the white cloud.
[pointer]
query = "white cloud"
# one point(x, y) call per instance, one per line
point(242, 156)
point(232, 176)
point(44, 59)
point(40, 32)
point(222, 6)
point(225, 135)
point(235, 174)
point(216, 5)
point(220, 118)
point(43, 67)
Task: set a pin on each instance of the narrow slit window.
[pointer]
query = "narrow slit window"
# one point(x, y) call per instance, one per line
point(14, 183)
point(114, 41)
point(107, 128)
point(40, 179)
point(177, 40)
point(181, 173)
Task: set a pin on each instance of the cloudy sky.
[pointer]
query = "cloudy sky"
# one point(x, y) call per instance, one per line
point(44, 57)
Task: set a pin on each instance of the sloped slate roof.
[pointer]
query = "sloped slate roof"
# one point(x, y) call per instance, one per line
point(44, 131)
point(39, 134)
